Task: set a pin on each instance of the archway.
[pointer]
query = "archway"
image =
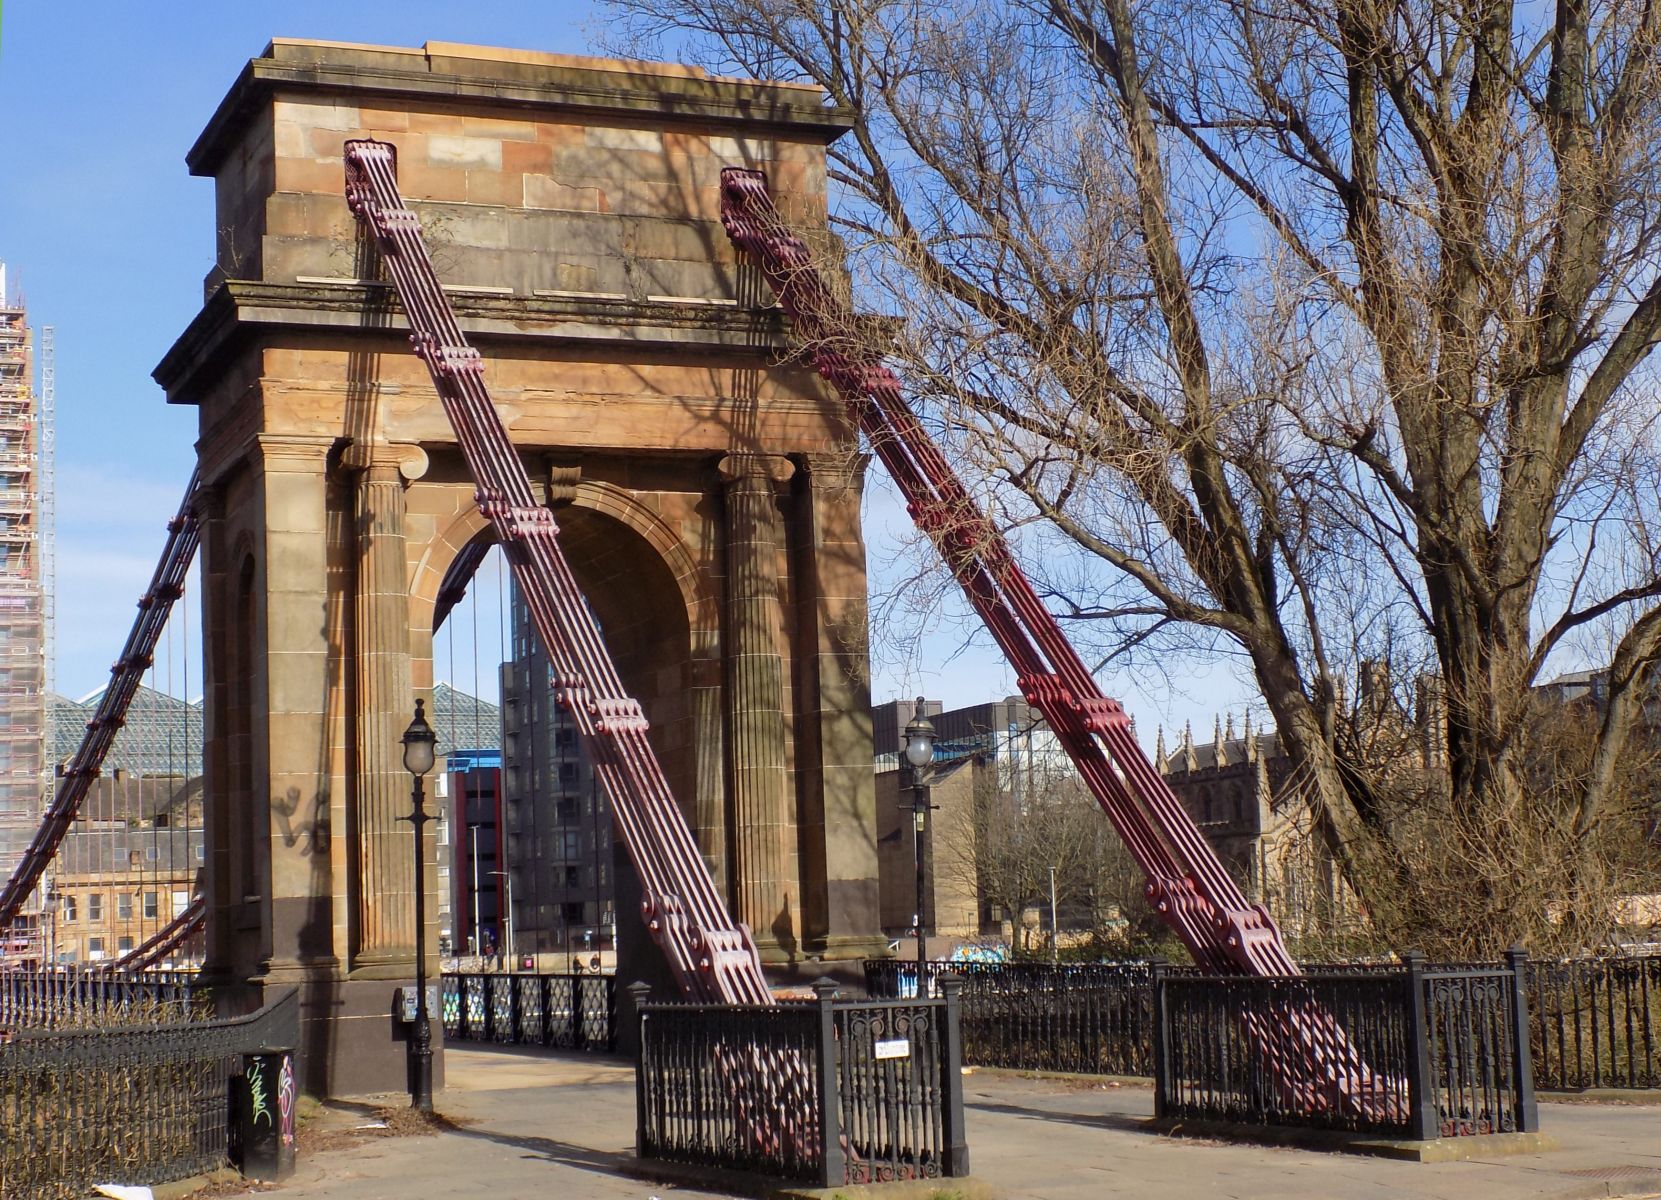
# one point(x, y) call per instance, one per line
point(644, 590)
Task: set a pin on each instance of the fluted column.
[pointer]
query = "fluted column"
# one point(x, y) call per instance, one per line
point(763, 865)
point(385, 893)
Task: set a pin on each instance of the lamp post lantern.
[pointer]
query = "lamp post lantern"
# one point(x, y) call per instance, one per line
point(419, 740)
point(919, 753)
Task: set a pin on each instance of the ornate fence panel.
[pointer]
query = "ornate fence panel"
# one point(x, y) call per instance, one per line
point(1211, 1057)
point(70, 998)
point(828, 1092)
point(734, 1087)
point(1597, 1022)
point(1476, 1031)
point(1445, 1050)
point(573, 1012)
point(900, 1087)
point(140, 1104)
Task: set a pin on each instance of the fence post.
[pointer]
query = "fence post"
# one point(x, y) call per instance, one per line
point(1424, 1122)
point(833, 1160)
point(639, 993)
point(1161, 1035)
point(950, 989)
point(1522, 1056)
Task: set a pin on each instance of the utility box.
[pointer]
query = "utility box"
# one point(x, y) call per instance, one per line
point(265, 1115)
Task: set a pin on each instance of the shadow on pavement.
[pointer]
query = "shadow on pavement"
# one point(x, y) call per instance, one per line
point(547, 1149)
point(1089, 1120)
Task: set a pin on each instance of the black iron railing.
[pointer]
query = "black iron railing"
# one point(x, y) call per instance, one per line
point(1433, 1051)
point(900, 1087)
point(1089, 1018)
point(577, 1012)
point(1594, 1023)
point(825, 1092)
point(138, 1104)
point(1597, 1022)
point(80, 998)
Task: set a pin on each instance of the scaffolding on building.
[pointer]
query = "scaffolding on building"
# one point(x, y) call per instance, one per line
point(22, 607)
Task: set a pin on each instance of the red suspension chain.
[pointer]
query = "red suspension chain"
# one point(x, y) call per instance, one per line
point(713, 958)
point(166, 586)
point(1186, 881)
point(1306, 1049)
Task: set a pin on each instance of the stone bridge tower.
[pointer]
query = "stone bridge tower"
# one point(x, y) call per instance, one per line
point(708, 491)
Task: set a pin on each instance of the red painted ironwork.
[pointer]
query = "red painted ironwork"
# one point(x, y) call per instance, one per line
point(186, 924)
point(166, 586)
point(1186, 881)
point(713, 958)
point(1187, 884)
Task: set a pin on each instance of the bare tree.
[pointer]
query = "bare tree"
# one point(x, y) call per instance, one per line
point(1015, 834)
point(1309, 331)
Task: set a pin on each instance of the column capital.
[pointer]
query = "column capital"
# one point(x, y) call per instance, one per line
point(831, 470)
point(741, 468)
point(382, 460)
point(284, 452)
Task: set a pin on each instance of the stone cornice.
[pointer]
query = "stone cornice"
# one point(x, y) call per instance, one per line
point(508, 81)
point(238, 308)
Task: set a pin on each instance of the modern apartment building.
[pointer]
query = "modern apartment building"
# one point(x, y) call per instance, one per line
point(557, 840)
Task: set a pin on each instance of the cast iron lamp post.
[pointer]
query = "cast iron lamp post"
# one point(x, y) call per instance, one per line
point(418, 760)
point(919, 753)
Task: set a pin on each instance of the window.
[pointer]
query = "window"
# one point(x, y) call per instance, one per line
point(181, 901)
point(124, 946)
point(123, 906)
point(571, 845)
point(95, 906)
point(95, 948)
point(573, 877)
point(574, 913)
point(69, 909)
point(152, 852)
point(151, 908)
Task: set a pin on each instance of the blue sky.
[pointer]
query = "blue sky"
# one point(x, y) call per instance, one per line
point(109, 238)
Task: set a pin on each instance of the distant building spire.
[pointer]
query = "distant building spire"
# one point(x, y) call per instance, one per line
point(1160, 762)
point(1219, 754)
point(1189, 761)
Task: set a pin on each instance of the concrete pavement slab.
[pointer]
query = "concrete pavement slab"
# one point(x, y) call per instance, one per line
point(553, 1125)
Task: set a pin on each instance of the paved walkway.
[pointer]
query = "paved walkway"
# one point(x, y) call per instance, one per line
point(562, 1126)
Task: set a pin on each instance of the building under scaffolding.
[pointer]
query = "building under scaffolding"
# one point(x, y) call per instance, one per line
point(22, 607)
